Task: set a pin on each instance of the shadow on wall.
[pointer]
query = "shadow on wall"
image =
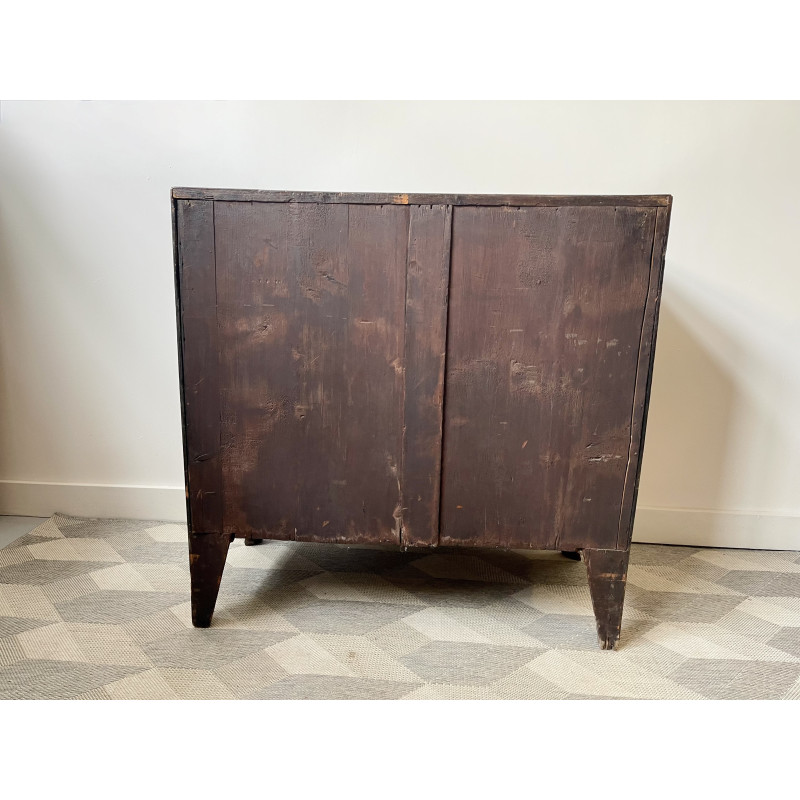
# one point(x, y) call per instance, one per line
point(51, 353)
point(722, 429)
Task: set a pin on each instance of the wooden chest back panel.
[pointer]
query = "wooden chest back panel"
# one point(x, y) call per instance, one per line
point(311, 330)
point(314, 334)
point(545, 319)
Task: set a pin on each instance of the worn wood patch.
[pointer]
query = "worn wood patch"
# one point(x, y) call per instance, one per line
point(607, 571)
point(545, 319)
point(311, 315)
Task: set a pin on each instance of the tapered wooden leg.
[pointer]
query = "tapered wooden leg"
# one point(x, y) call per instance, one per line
point(249, 541)
point(207, 552)
point(608, 571)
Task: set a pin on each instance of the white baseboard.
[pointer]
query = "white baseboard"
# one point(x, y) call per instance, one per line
point(32, 499)
point(697, 528)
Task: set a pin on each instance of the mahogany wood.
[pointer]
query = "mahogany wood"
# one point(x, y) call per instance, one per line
point(416, 370)
point(545, 322)
point(607, 571)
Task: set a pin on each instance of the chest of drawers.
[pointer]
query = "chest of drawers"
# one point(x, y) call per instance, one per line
point(417, 371)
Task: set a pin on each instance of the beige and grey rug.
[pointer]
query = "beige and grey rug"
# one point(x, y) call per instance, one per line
point(98, 609)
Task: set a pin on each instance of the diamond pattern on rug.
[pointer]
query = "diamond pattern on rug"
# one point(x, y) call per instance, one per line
point(345, 616)
point(250, 674)
point(26, 601)
point(208, 648)
point(592, 675)
point(330, 687)
point(466, 662)
point(14, 625)
point(563, 632)
point(113, 606)
point(38, 571)
point(99, 610)
point(56, 680)
point(737, 680)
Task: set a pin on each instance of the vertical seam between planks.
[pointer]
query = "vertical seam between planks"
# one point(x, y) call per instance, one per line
point(218, 338)
point(636, 376)
point(177, 254)
point(287, 241)
point(403, 441)
point(449, 261)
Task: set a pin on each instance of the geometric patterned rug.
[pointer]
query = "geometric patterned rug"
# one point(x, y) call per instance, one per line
point(99, 609)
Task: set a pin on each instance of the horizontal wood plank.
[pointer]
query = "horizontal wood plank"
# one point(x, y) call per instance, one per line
point(355, 198)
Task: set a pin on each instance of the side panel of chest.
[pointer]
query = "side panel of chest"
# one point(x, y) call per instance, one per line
point(546, 314)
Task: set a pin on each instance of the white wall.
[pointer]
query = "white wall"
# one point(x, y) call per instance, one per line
point(88, 365)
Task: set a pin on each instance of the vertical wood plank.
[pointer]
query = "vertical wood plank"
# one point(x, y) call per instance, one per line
point(196, 284)
point(427, 279)
point(311, 305)
point(644, 377)
point(545, 320)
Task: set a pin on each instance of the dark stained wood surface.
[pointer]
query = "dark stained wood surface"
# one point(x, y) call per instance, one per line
point(545, 319)
point(372, 198)
point(195, 282)
point(427, 278)
point(207, 553)
point(348, 361)
point(644, 376)
point(311, 326)
point(607, 571)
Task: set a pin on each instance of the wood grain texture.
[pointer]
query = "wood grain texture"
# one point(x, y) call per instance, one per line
point(196, 286)
point(607, 571)
point(416, 369)
point(427, 280)
point(207, 553)
point(644, 377)
point(311, 315)
point(372, 198)
point(545, 320)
